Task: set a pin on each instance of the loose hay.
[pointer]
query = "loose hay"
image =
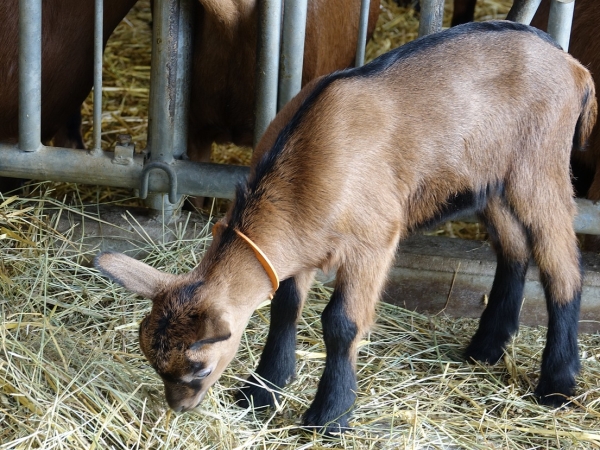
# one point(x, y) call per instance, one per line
point(72, 375)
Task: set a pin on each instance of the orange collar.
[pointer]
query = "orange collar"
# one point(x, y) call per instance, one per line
point(262, 258)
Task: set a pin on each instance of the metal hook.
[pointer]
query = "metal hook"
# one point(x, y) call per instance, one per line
point(170, 173)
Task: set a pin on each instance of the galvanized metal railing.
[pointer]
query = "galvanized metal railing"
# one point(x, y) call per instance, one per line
point(168, 124)
point(292, 51)
point(30, 75)
point(169, 96)
point(162, 168)
point(362, 33)
point(559, 21)
point(98, 40)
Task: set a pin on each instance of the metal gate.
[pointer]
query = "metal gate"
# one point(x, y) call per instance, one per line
point(161, 173)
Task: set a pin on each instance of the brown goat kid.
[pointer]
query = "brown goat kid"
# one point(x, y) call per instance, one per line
point(480, 117)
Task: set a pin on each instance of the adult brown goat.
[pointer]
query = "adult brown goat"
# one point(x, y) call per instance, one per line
point(67, 62)
point(67, 68)
point(480, 117)
point(224, 63)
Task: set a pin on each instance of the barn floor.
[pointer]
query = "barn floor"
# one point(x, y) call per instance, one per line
point(72, 375)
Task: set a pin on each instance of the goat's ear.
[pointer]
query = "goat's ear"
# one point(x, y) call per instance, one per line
point(132, 274)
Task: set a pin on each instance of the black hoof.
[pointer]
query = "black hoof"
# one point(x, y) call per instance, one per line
point(555, 393)
point(328, 426)
point(552, 400)
point(481, 351)
point(254, 394)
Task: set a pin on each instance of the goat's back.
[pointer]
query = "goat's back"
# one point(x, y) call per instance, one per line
point(478, 106)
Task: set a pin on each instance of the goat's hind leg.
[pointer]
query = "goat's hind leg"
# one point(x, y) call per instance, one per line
point(547, 216)
point(557, 255)
point(500, 319)
point(277, 364)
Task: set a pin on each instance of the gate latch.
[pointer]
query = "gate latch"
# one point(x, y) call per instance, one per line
point(124, 150)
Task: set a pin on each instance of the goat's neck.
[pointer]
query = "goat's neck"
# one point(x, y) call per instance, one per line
point(236, 277)
point(285, 243)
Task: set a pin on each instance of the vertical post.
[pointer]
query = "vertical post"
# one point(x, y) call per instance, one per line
point(560, 20)
point(267, 67)
point(432, 15)
point(163, 92)
point(163, 76)
point(183, 79)
point(362, 33)
point(522, 11)
point(98, 50)
point(30, 75)
point(292, 50)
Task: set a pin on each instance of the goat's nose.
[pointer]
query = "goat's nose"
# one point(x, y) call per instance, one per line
point(179, 409)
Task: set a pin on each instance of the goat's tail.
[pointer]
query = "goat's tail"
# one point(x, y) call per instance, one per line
point(587, 115)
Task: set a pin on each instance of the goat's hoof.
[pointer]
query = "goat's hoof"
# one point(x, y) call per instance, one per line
point(552, 400)
point(555, 394)
point(257, 396)
point(331, 427)
point(481, 352)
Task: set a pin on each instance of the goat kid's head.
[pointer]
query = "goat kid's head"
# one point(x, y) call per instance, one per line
point(186, 337)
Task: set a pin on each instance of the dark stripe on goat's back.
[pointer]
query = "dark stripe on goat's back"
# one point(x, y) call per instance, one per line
point(375, 67)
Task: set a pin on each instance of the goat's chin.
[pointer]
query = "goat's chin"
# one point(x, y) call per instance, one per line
point(188, 403)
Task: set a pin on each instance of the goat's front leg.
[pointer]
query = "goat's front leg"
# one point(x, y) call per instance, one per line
point(277, 364)
point(347, 317)
point(336, 394)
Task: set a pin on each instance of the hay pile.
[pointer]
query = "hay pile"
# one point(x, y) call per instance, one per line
point(72, 375)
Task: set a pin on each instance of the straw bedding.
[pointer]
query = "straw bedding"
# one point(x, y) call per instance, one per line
point(72, 375)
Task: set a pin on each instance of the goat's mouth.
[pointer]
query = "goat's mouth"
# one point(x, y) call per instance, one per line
point(185, 407)
point(186, 403)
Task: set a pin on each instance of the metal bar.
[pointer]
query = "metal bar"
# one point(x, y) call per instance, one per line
point(163, 76)
point(30, 75)
point(362, 33)
point(587, 220)
point(522, 11)
point(183, 79)
point(432, 15)
point(163, 108)
point(267, 64)
point(560, 19)
point(98, 50)
point(48, 163)
point(199, 179)
point(292, 51)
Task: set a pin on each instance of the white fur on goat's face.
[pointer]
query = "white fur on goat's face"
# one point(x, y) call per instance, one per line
point(187, 338)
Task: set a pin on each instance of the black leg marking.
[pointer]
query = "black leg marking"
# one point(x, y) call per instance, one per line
point(278, 361)
point(500, 319)
point(336, 394)
point(560, 360)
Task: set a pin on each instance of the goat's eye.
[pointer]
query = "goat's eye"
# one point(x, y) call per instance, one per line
point(201, 374)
